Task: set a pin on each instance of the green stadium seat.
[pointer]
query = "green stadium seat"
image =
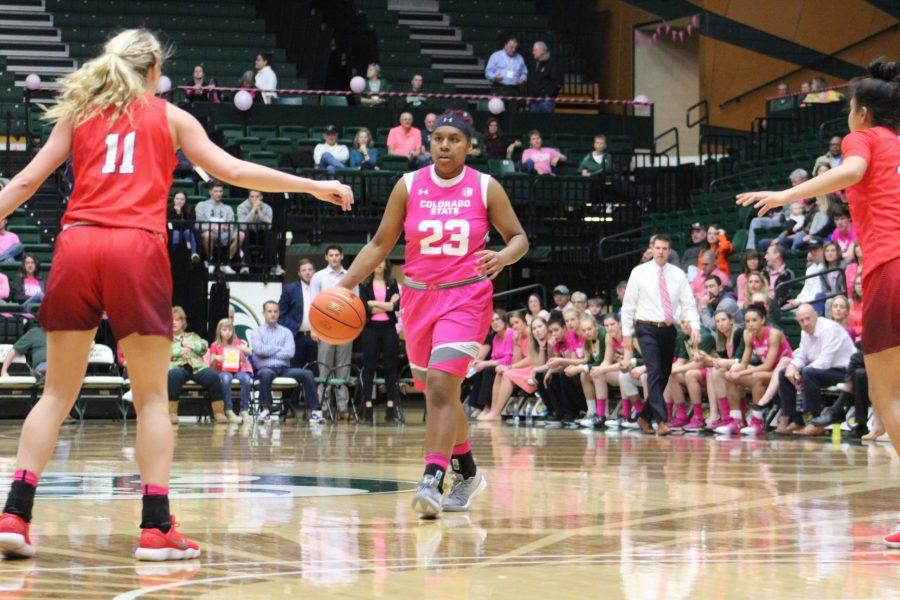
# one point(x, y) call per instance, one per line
point(501, 167)
point(334, 101)
point(390, 162)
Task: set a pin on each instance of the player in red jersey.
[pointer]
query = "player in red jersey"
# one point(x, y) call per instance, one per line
point(870, 172)
point(123, 141)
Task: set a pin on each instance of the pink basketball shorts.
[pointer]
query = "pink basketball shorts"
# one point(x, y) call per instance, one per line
point(444, 329)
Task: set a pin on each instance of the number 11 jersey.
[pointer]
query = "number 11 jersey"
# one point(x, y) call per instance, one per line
point(446, 224)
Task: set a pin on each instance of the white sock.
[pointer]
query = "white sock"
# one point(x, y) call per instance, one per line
point(757, 414)
point(735, 414)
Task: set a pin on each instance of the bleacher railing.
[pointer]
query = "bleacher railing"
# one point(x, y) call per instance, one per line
point(258, 245)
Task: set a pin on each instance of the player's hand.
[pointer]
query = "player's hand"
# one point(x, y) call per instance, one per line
point(695, 337)
point(314, 337)
point(334, 192)
point(764, 201)
point(489, 263)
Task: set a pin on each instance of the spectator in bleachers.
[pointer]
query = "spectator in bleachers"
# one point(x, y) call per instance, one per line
point(844, 234)
point(536, 309)
point(201, 88)
point(424, 158)
point(28, 286)
point(545, 78)
point(579, 301)
point(792, 227)
point(180, 216)
point(256, 217)
point(820, 362)
point(332, 356)
point(330, 155)
point(506, 70)
point(597, 307)
point(819, 95)
point(497, 145)
point(363, 155)
point(832, 158)
point(597, 162)
point(404, 139)
point(805, 87)
point(247, 83)
point(375, 85)
point(750, 262)
point(4, 287)
point(33, 342)
point(187, 363)
point(776, 269)
point(228, 356)
point(414, 98)
point(538, 159)
point(11, 248)
point(217, 229)
point(755, 284)
point(717, 242)
point(691, 257)
point(266, 81)
point(797, 177)
point(380, 296)
point(784, 101)
point(707, 266)
point(819, 220)
point(854, 265)
point(562, 300)
point(813, 287)
point(839, 312)
point(716, 299)
point(293, 307)
point(833, 281)
point(497, 350)
point(273, 349)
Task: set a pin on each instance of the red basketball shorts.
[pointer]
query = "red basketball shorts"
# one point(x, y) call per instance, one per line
point(444, 329)
point(124, 272)
point(881, 308)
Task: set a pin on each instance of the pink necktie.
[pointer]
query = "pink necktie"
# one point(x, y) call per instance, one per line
point(666, 300)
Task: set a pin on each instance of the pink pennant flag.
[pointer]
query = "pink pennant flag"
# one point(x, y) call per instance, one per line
point(681, 36)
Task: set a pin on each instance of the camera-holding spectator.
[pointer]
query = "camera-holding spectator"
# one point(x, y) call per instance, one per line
point(375, 85)
point(536, 309)
point(813, 287)
point(797, 177)
point(404, 139)
point(716, 300)
point(380, 296)
point(256, 216)
point(11, 248)
point(217, 228)
point(228, 357)
point(201, 88)
point(545, 79)
point(330, 155)
point(832, 158)
point(187, 363)
point(33, 342)
point(776, 269)
point(414, 97)
point(363, 155)
point(180, 216)
point(497, 145)
point(691, 257)
point(538, 159)
point(707, 266)
point(293, 306)
point(266, 81)
point(597, 162)
point(273, 349)
point(506, 70)
point(27, 287)
point(844, 234)
point(750, 262)
point(424, 158)
point(820, 362)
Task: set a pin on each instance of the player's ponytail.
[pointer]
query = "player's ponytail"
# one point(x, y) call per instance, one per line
point(117, 78)
point(879, 93)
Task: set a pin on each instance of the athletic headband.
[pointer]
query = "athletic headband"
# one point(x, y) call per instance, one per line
point(453, 120)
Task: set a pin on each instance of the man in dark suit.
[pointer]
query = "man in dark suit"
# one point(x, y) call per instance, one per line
point(294, 306)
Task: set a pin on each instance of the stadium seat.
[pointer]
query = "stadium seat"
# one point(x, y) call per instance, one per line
point(103, 381)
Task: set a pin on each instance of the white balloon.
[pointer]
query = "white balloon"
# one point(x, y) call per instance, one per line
point(33, 82)
point(243, 100)
point(163, 85)
point(641, 99)
point(357, 85)
point(496, 106)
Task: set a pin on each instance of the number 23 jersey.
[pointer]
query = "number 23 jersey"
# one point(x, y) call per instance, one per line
point(446, 224)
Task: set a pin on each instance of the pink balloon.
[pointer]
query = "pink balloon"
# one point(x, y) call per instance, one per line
point(163, 85)
point(243, 100)
point(33, 82)
point(357, 85)
point(496, 106)
point(641, 99)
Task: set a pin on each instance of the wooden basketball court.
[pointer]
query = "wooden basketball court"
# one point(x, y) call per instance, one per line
point(288, 511)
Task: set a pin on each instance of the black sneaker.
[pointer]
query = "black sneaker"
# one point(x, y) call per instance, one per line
point(390, 415)
point(827, 418)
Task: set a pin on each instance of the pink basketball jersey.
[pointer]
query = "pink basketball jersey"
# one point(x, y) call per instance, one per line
point(446, 224)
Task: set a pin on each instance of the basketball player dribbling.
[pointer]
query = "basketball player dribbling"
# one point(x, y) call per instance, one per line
point(446, 212)
point(123, 142)
point(870, 173)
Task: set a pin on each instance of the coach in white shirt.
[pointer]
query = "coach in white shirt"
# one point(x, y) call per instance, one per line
point(332, 355)
point(655, 290)
point(821, 361)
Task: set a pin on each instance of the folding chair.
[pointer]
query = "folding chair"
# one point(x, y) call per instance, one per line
point(102, 382)
point(20, 384)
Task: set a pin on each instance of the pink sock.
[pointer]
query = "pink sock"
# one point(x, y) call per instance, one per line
point(601, 407)
point(723, 408)
point(155, 490)
point(26, 476)
point(743, 406)
point(669, 412)
point(681, 411)
point(438, 459)
point(697, 410)
point(459, 449)
point(638, 407)
point(626, 408)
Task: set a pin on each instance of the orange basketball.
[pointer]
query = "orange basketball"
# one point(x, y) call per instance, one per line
point(337, 316)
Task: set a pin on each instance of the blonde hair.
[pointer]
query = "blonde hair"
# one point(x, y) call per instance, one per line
point(225, 323)
point(178, 312)
point(117, 78)
point(358, 133)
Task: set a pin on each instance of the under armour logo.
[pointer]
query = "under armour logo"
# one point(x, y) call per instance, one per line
point(423, 192)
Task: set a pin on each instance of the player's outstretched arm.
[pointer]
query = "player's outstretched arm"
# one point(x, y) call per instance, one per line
point(382, 242)
point(850, 171)
point(504, 219)
point(28, 180)
point(200, 150)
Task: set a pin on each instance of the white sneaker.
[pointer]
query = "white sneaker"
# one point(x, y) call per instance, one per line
point(210, 268)
point(264, 416)
point(587, 421)
point(232, 418)
point(245, 270)
point(227, 270)
point(245, 416)
point(316, 417)
point(277, 271)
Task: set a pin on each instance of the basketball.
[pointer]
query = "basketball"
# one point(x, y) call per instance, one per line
point(337, 316)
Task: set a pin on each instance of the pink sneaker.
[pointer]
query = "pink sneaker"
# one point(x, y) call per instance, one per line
point(679, 422)
point(717, 423)
point(892, 540)
point(732, 427)
point(696, 424)
point(14, 540)
point(754, 427)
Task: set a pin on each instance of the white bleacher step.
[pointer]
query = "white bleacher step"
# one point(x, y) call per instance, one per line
point(29, 34)
point(414, 5)
point(25, 19)
point(435, 34)
point(450, 69)
point(424, 19)
point(23, 6)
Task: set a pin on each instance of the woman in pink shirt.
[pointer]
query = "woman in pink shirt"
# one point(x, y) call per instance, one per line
point(28, 286)
point(538, 159)
point(751, 263)
point(844, 233)
point(228, 356)
point(502, 350)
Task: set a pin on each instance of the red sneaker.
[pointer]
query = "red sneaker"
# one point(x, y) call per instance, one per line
point(155, 545)
point(14, 540)
point(892, 540)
